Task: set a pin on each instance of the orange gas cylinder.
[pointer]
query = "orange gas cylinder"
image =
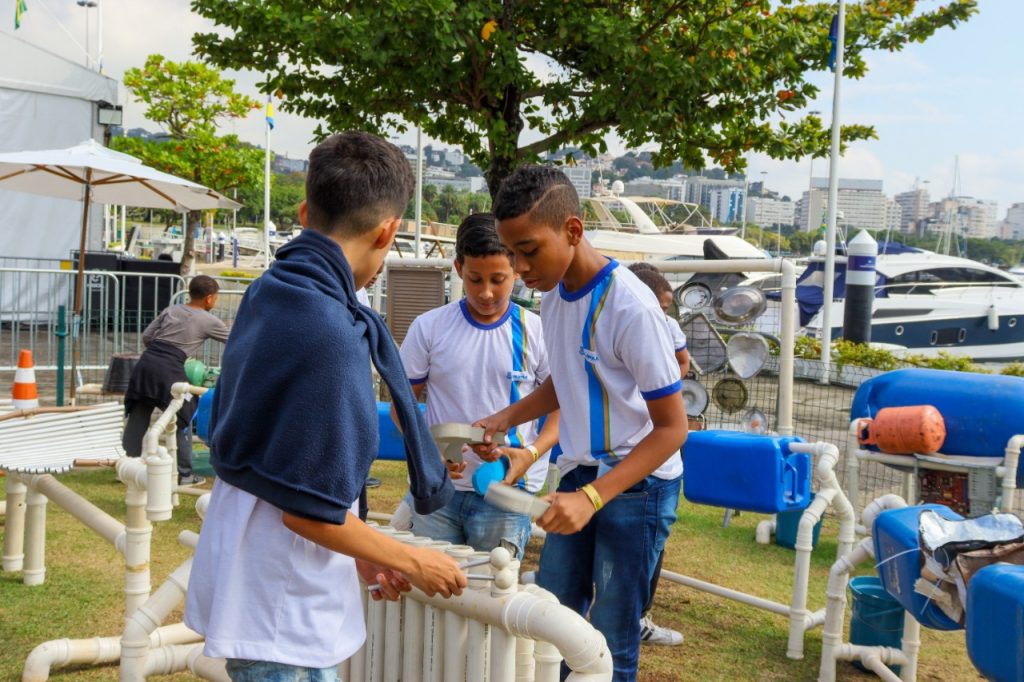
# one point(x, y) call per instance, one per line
point(904, 430)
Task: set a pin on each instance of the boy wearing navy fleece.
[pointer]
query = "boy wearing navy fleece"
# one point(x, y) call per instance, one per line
point(274, 586)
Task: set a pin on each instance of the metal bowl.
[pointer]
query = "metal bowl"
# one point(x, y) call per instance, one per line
point(748, 353)
point(695, 397)
point(730, 395)
point(693, 296)
point(707, 349)
point(754, 421)
point(739, 305)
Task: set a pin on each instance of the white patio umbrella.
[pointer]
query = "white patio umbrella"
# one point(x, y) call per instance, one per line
point(90, 172)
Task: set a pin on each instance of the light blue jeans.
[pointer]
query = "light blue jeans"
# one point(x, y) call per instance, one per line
point(241, 670)
point(605, 569)
point(468, 520)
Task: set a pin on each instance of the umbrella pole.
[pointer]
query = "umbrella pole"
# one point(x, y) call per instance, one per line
point(80, 284)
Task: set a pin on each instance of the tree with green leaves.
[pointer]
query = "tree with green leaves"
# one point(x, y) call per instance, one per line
point(188, 100)
point(714, 79)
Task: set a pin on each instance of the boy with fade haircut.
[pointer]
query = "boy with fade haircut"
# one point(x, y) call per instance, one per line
point(622, 415)
point(474, 357)
point(178, 332)
point(274, 586)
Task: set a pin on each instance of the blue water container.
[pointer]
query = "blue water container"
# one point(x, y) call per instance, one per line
point(995, 622)
point(746, 471)
point(202, 415)
point(876, 619)
point(392, 445)
point(787, 526)
point(982, 411)
point(895, 535)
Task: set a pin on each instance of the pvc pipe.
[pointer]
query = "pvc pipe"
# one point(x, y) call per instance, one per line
point(874, 663)
point(202, 504)
point(160, 468)
point(547, 661)
point(741, 597)
point(879, 505)
point(412, 632)
point(14, 524)
point(832, 633)
point(1011, 457)
point(911, 646)
point(135, 641)
point(103, 524)
point(787, 336)
point(765, 530)
point(34, 572)
point(210, 668)
point(456, 632)
point(357, 662)
point(98, 650)
point(798, 613)
point(138, 535)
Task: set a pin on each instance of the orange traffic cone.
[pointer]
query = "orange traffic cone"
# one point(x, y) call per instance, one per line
point(24, 392)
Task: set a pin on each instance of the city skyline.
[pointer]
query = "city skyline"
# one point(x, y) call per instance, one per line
point(955, 95)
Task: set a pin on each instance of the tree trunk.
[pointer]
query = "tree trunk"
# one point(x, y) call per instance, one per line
point(501, 167)
point(189, 247)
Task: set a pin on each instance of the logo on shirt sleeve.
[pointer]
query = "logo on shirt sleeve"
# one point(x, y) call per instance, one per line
point(589, 355)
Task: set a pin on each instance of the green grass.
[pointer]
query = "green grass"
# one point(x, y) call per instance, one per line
point(82, 596)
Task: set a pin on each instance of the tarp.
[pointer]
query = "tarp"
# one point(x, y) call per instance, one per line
point(46, 102)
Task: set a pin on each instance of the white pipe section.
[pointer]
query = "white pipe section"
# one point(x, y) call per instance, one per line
point(765, 530)
point(717, 590)
point(547, 660)
point(787, 339)
point(412, 632)
point(853, 468)
point(456, 631)
point(210, 668)
point(1011, 458)
point(832, 633)
point(879, 505)
point(98, 650)
point(14, 524)
point(503, 640)
point(911, 646)
point(34, 572)
point(798, 613)
point(357, 662)
point(3, 507)
point(526, 615)
point(478, 641)
point(135, 641)
point(103, 524)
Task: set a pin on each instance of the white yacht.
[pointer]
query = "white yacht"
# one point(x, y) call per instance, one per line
point(929, 302)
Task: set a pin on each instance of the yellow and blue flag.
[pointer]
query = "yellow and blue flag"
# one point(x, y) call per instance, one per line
point(20, 7)
point(270, 113)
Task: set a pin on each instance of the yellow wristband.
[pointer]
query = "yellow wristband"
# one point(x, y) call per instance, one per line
point(595, 497)
point(533, 451)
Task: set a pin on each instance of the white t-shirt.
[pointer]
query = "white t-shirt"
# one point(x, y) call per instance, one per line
point(259, 591)
point(473, 370)
point(676, 334)
point(364, 297)
point(610, 351)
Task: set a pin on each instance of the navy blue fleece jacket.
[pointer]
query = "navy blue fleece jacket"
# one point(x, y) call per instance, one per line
point(294, 417)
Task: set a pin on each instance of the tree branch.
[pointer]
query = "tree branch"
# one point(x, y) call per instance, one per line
point(562, 136)
point(661, 21)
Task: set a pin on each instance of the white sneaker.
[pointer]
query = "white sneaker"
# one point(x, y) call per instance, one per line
point(655, 634)
point(402, 518)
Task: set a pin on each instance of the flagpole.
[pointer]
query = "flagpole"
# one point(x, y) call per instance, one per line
point(833, 200)
point(419, 191)
point(266, 194)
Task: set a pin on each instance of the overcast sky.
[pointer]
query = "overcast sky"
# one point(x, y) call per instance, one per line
point(961, 93)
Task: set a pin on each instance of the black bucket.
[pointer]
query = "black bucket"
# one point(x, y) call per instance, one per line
point(119, 371)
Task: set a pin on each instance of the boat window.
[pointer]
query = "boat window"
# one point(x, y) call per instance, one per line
point(899, 312)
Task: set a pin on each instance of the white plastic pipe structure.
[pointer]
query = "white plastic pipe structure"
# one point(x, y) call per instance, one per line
point(875, 658)
point(829, 494)
point(495, 631)
point(146, 479)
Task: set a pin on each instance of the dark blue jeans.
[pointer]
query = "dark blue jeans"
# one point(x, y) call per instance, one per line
point(605, 569)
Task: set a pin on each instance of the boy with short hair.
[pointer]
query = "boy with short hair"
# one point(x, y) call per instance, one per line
point(177, 332)
point(623, 421)
point(274, 586)
point(474, 357)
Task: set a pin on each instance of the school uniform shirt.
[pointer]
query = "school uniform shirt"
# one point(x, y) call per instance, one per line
point(363, 297)
point(610, 351)
point(676, 334)
point(259, 591)
point(472, 370)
